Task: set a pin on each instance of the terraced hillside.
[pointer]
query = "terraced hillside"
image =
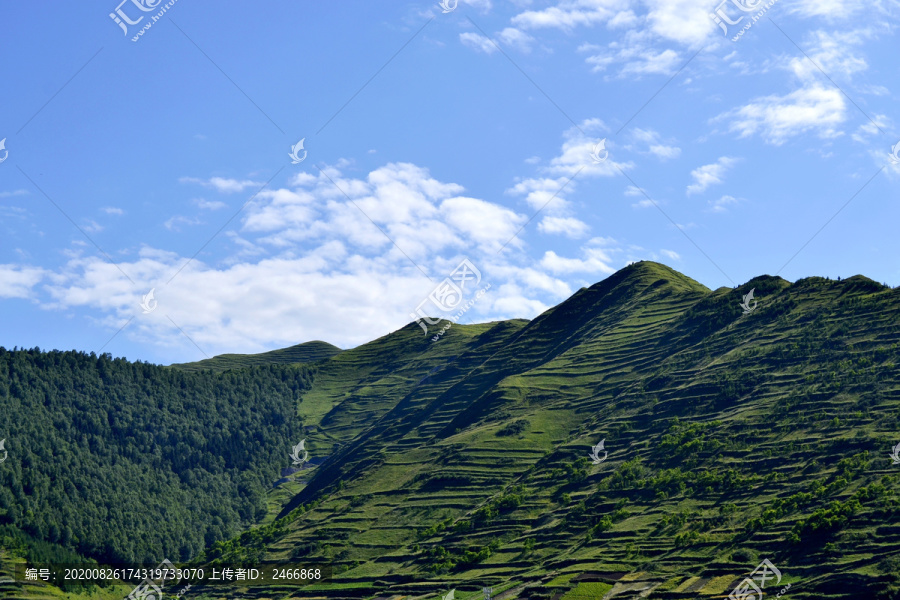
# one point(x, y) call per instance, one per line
point(307, 352)
point(731, 438)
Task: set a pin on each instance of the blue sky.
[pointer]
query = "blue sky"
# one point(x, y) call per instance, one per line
point(429, 137)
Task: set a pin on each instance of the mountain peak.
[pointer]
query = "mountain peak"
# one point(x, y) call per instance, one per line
point(647, 272)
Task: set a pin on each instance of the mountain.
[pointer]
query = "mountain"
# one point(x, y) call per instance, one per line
point(732, 438)
point(735, 429)
point(307, 352)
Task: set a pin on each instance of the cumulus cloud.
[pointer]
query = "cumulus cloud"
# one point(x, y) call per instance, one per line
point(516, 38)
point(567, 226)
point(637, 60)
point(708, 175)
point(596, 260)
point(566, 15)
point(373, 245)
point(683, 21)
point(814, 109)
point(17, 281)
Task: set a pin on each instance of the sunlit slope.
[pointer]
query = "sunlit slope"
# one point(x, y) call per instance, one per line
point(307, 352)
point(731, 438)
point(356, 389)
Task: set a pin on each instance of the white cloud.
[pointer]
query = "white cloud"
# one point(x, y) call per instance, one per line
point(567, 226)
point(300, 251)
point(481, 5)
point(476, 41)
point(814, 109)
point(510, 37)
point(567, 15)
point(539, 192)
point(665, 152)
point(574, 162)
point(17, 281)
point(575, 154)
point(683, 21)
point(663, 62)
point(12, 212)
point(489, 225)
point(13, 193)
point(839, 10)
point(833, 52)
point(112, 210)
point(222, 184)
point(92, 226)
point(596, 261)
point(625, 18)
point(174, 223)
point(209, 204)
point(721, 205)
point(516, 38)
point(670, 254)
point(278, 301)
point(708, 175)
point(638, 51)
point(652, 144)
point(635, 192)
point(303, 179)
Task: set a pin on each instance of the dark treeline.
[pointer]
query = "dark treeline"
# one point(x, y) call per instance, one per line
point(133, 462)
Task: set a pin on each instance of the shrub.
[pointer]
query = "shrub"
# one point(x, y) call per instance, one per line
point(514, 428)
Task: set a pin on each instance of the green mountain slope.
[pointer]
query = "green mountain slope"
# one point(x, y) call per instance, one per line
point(308, 352)
point(731, 437)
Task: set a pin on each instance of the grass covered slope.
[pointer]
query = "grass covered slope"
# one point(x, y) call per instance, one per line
point(731, 438)
point(308, 352)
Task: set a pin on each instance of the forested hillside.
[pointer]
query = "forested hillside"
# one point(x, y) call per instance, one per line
point(732, 433)
point(125, 461)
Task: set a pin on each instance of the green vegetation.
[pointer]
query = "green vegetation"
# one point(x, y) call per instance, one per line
point(132, 462)
point(464, 463)
point(308, 352)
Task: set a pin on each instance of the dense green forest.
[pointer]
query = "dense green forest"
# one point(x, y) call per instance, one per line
point(133, 462)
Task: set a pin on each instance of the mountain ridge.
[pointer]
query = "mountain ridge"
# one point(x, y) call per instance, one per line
point(306, 352)
point(618, 349)
point(733, 434)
